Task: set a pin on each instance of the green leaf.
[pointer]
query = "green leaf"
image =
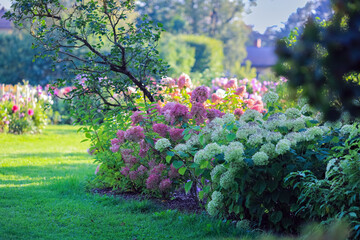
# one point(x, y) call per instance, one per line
point(88, 135)
point(84, 140)
point(201, 195)
point(182, 170)
point(188, 186)
point(276, 217)
point(168, 158)
point(187, 137)
point(178, 164)
point(231, 137)
point(170, 153)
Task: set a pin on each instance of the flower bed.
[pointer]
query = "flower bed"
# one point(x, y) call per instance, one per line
point(22, 108)
point(230, 148)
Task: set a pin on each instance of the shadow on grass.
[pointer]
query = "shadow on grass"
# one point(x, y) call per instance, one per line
point(68, 156)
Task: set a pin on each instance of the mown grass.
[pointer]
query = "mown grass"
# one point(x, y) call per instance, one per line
point(43, 196)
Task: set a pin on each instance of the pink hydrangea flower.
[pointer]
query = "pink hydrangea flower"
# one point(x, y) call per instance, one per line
point(215, 98)
point(30, 112)
point(125, 171)
point(165, 185)
point(176, 134)
point(231, 83)
point(152, 163)
point(258, 108)
point(142, 170)
point(173, 173)
point(115, 141)
point(240, 91)
point(198, 113)
point(135, 134)
point(184, 81)
point(114, 148)
point(144, 148)
point(214, 113)
point(200, 94)
point(133, 175)
point(179, 114)
point(168, 107)
point(121, 136)
point(137, 117)
point(158, 169)
point(161, 129)
point(152, 181)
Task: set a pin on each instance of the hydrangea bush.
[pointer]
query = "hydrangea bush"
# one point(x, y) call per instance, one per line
point(148, 133)
point(240, 164)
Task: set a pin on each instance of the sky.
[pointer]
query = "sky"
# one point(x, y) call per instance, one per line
point(267, 13)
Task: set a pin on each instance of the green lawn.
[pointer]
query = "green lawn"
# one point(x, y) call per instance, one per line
point(42, 196)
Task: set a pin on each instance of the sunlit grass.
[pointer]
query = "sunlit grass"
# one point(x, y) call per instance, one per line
point(42, 196)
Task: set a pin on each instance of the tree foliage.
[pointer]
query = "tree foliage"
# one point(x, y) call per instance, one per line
point(325, 61)
point(16, 61)
point(112, 52)
point(218, 19)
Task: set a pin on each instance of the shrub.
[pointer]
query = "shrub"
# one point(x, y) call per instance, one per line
point(335, 195)
point(240, 165)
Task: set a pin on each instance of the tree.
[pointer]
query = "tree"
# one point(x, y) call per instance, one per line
point(325, 61)
point(219, 19)
point(112, 52)
point(16, 61)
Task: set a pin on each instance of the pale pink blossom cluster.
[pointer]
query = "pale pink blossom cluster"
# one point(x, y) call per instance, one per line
point(198, 113)
point(134, 134)
point(137, 117)
point(161, 129)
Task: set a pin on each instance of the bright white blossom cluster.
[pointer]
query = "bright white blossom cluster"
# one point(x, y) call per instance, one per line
point(162, 144)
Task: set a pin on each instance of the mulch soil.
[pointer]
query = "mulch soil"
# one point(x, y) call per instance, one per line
point(179, 201)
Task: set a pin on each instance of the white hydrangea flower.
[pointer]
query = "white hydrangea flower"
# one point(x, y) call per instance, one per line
point(312, 133)
point(244, 132)
point(251, 115)
point(325, 129)
point(333, 125)
point(217, 197)
point(275, 121)
point(193, 141)
point(292, 113)
point(162, 144)
point(306, 109)
point(294, 138)
point(270, 97)
point(217, 171)
point(255, 139)
point(181, 148)
point(269, 149)
point(273, 137)
point(295, 124)
point(213, 149)
point(228, 118)
point(218, 122)
point(201, 156)
point(243, 225)
point(234, 152)
point(212, 208)
point(218, 135)
point(282, 146)
point(260, 158)
point(227, 180)
point(346, 129)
